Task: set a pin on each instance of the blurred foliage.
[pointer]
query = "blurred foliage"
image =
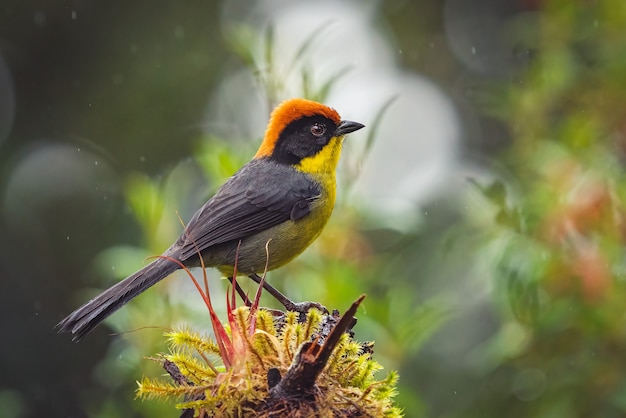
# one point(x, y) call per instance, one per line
point(273, 79)
point(559, 220)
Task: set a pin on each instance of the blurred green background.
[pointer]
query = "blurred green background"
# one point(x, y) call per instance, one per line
point(481, 211)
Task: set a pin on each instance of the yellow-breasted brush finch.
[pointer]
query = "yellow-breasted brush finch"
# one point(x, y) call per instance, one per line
point(284, 196)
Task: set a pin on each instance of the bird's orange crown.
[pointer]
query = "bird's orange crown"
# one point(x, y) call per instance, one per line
point(287, 112)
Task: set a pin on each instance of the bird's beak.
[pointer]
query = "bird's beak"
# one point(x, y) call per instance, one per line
point(347, 126)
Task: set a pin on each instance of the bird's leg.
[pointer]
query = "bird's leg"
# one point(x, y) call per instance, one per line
point(289, 305)
point(243, 295)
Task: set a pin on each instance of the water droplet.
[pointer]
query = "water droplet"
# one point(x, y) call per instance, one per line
point(117, 79)
point(473, 50)
point(96, 162)
point(74, 14)
point(39, 18)
point(179, 32)
point(67, 238)
point(142, 159)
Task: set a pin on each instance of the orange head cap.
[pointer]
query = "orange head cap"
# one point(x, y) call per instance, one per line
point(289, 111)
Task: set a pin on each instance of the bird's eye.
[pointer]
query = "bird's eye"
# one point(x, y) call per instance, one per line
point(318, 129)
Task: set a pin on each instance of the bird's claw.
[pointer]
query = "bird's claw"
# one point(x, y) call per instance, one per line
point(304, 307)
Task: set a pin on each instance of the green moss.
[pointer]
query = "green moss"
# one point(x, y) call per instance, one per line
point(346, 387)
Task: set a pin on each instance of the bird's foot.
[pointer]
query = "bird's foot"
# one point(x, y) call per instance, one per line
point(303, 307)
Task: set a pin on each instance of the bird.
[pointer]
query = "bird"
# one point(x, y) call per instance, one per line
point(281, 199)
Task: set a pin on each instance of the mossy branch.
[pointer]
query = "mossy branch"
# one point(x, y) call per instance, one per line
point(286, 368)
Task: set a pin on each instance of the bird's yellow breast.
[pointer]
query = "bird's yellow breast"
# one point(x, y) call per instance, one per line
point(322, 167)
point(296, 236)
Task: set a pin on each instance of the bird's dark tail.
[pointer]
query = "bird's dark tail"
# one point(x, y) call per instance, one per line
point(87, 317)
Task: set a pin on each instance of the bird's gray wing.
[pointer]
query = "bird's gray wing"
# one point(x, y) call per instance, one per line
point(261, 195)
